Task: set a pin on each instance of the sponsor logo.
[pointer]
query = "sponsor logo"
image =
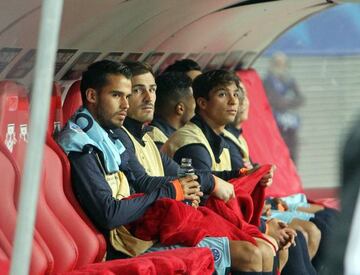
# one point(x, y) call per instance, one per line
point(23, 132)
point(10, 138)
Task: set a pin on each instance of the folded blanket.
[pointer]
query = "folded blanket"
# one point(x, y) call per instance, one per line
point(172, 222)
point(178, 261)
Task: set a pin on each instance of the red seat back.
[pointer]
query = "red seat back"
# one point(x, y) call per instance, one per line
point(264, 139)
point(47, 224)
point(71, 104)
point(72, 100)
point(5, 246)
point(68, 191)
point(84, 237)
point(91, 244)
point(39, 261)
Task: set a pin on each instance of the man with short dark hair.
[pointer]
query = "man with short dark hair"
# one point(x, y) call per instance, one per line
point(174, 107)
point(187, 66)
point(217, 99)
point(240, 157)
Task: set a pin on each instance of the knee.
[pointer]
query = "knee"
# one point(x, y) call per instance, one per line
point(245, 257)
point(266, 250)
point(314, 234)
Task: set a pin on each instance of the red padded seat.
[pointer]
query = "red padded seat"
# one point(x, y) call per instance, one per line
point(90, 242)
point(266, 144)
point(50, 229)
point(39, 260)
point(86, 240)
point(5, 247)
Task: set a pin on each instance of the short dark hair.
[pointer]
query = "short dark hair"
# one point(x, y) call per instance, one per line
point(183, 65)
point(138, 68)
point(95, 76)
point(171, 88)
point(204, 83)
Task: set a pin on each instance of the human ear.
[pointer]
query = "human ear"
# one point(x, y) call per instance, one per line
point(179, 108)
point(201, 103)
point(91, 95)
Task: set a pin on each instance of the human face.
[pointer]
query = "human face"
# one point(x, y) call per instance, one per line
point(111, 102)
point(189, 107)
point(142, 99)
point(243, 111)
point(221, 107)
point(193, 73)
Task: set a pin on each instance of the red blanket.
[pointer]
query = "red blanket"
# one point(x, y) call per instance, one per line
point(172, 222)
point(179, 261)
point(249, 201)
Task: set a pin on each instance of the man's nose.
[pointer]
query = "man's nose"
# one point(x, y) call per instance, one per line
point(124, 104)
point(148, 95)
point(233, 99)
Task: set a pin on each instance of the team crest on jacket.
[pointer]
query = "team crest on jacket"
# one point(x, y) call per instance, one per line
point(216, 253)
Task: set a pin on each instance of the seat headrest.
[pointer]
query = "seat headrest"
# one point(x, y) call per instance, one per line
point(72, 100)
point(14, 113)
point(55, 121)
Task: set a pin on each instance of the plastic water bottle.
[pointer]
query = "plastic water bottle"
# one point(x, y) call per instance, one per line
point(186, 169)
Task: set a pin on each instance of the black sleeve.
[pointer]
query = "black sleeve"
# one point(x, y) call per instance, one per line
point(205, 178)
point(95, 195)
point(227, 175)
point(140, 180)
point(200, 157)
point(170, 166)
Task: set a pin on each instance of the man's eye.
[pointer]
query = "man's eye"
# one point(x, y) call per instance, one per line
point(135, 91)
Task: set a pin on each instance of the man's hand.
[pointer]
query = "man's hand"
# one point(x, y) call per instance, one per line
point(223, 190)
point(191, 189)
point(266, 211)
point(280, 231)
point(268, 177)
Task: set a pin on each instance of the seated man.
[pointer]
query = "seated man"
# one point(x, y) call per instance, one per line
point(240, 157)
point(202, 138)
point(174, 106)
point(313, 220)
point(100, 175)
